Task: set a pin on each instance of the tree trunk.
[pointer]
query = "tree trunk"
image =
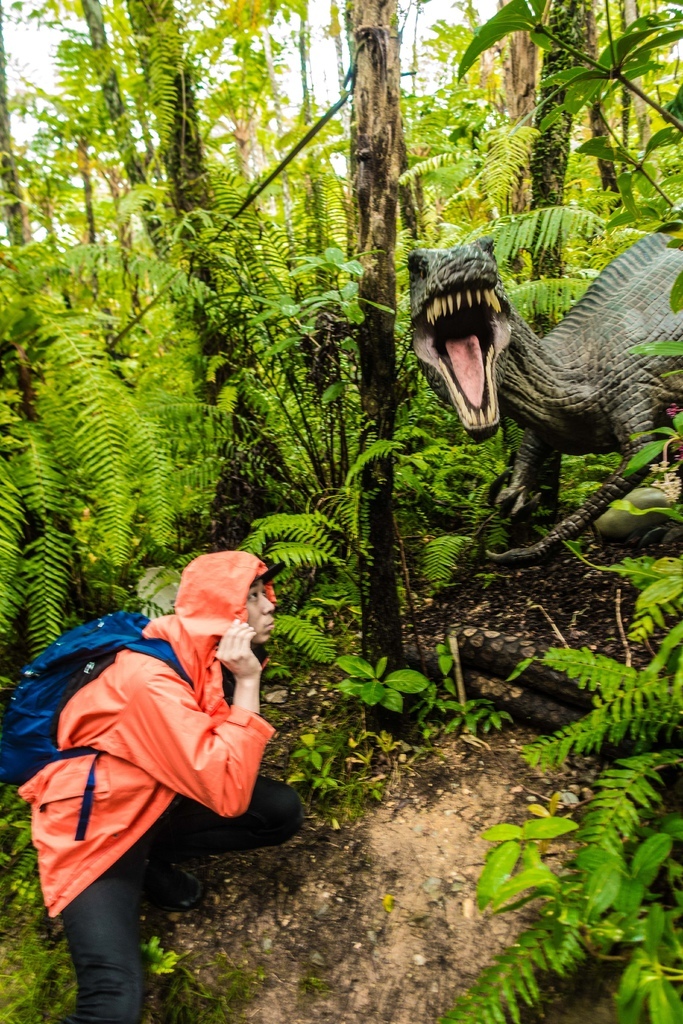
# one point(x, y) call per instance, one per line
point(279, 120)
point(156, 27)
point(15, 212)
point(608, 174)
point(551, 149)
point(519, 83)
point(640, 107)
point(376, 155)
point(84, 169)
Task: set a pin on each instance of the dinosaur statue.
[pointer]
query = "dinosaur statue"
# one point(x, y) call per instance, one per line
point(580, 389)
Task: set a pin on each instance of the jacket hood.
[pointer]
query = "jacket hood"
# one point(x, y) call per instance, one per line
point(212, 594)
point(214, 589)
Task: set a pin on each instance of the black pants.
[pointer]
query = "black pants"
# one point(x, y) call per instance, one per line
point(102, 923)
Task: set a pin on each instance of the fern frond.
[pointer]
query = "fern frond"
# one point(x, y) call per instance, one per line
point(432, 163)
point(512, 976)
point(543, 229)
point(506, 158)
point(441, 556)
point(547, 297)
point(309, 637)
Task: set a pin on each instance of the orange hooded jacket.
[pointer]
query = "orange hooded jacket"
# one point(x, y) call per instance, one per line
point(159, 736)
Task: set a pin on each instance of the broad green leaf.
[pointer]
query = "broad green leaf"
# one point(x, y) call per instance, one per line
point(672, 825)
point(625, 185)
point(654, 929)
point(659, 348)
point(631, 895)
point(351, 687)
point(532, 878)
point(501, 833)
point(548, 828)
point(372, 692)
point(644, 457)
point(516, 16)
point(649, 857)
point(600, 148)
point(664, 137)
point(603, 888)
point(333, 391)
point(355, 666)
point(392, 700)
point(380, 667)
point(677, 294)
point(407, 680)
point(662, 591)
point(499, 866)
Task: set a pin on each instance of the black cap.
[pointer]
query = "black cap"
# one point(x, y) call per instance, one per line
point(269, 574)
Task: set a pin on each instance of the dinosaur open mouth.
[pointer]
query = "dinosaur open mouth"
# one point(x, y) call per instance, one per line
point(460, 334)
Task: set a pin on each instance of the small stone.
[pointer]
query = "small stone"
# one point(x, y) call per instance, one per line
point(317, 958)
point(418, 829)
point(419, 960)
point(456, 887)
point(468, 910)
point(276, 696)
point(372, 936)
point(568, 797)
point(323, 909)
point(285, 921)
point(433, 887)
point(267, 945)
point(312, 692)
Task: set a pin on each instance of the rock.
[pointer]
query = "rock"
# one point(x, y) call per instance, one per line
point(275, 696)
point(267, 945)
point(317, 958)
point(615, 524)
point(468, 908)
point(419, 960)
point(569, 798)
point(433, 887)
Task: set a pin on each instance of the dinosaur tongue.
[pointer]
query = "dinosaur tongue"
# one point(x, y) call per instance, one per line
point(468, 367)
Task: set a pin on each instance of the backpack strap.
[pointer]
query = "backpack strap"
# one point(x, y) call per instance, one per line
point(86, 805)
point(155, 648)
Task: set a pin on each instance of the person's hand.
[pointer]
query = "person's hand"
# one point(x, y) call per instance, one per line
point(234, 651)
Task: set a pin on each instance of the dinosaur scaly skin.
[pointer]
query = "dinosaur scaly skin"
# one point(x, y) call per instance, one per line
point(580, 389)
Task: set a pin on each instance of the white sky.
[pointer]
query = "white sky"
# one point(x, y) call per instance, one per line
point(30, 47)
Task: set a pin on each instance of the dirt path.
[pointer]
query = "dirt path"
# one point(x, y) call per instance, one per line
point(313, 915)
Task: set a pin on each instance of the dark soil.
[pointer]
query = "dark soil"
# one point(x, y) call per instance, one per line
point(377, 920)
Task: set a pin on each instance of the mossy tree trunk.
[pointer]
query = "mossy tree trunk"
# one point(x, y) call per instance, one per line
point(376, 148)
point(551, 149)
point(519, 83)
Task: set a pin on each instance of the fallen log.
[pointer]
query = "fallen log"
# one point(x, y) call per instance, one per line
point(526, 706)
point(497, 653)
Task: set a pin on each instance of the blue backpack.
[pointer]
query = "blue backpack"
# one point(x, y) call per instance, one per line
point(30, 723)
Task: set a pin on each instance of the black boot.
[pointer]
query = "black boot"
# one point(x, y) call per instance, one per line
point(170, 888)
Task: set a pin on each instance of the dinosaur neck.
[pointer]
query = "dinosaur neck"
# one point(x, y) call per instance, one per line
point(535, 383)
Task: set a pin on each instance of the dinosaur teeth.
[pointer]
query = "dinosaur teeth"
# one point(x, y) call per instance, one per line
point(450, 303)
point(478, 296)
point(495, 302)
point(458, 299)
point(468, 293)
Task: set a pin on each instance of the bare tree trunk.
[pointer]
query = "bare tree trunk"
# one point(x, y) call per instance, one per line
point(118, 113)
point(640, 107)
point(608, 174)
point(84, 169)
point(519, 83)
point(277, 104)
point(15, 212)
point(303, 59)
point(376, 154)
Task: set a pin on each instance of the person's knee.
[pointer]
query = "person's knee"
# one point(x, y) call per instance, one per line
point(279, 808)
point(292, 811)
